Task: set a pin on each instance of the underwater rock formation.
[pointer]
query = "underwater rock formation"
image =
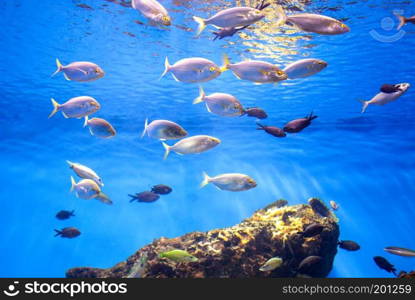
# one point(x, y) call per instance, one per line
point(238, 251)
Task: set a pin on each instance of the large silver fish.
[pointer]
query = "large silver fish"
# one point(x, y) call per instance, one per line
point(80, 71)
point(400, 251)
point(231, 17)
point(314, 23)
point(221, 104)
point(152, 10)
point(384, 98)
point(192, 145)
point(192, 70)
point(163, 130)
point(233, 182)
point(256, 71)
point(77, 107)
point(304, 68)
point(85, 172)
point(100, 127)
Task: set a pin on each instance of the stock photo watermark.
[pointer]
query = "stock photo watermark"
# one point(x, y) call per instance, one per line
point(391, 27)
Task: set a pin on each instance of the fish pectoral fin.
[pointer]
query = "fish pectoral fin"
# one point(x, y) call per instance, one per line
point(263, 72)
point(66, 76)
point(258, 83)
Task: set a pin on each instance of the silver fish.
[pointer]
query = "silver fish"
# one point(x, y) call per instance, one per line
point(99, 127)
point(230, 17)
point(221, 104)
point(304, 68)
point(192, 145)
point(85, 172)
point(256, 71)
point(334, 205)
point(314, 23)
point(400, 251)
point(191, 70)
point(271, 264)
point(233, 182)
point(384, 98)
point(85, 188)
point(80, 71)
point(152, 10)
point(163, 130)
point(77, 107)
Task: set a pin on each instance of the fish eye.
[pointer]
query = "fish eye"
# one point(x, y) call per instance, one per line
point(280, 73)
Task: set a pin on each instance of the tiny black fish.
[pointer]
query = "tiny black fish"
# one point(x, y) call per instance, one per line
point(313, 230)
point(349, 245)
point(299, 124)
point(68, 232)
point(319, 207)
point(275, 131)
point(286, 215)
point(65, 214)
point(382, 263)
point(308, 263)
point(256, 112)
point(144, 197)
point(281, 203)
point(161, 189)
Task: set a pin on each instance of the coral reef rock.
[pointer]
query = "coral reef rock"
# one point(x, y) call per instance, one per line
point(238, 251)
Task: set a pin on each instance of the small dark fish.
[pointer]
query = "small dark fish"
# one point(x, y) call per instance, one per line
point(308, 263)
point(313, 230)
point(65, 214)
point(275, 131)
point(319, 207)
point(382, 263)
point(256, 112)
point(286, 215)
point(230, 31)
point(400, 251)
point(299, 124)
point(281, 203)
point(144, 197)
point(349, 245)
point(334, 205)
point(161, 189)
point(226, 31)
point(86, 6)
point(68, 232)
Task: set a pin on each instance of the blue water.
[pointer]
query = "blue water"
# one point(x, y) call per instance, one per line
point(366, 163)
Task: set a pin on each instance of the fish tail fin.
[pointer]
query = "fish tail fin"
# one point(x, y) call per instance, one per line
point(226, 63)
point(201, 95)
point(58, 66)
point(86, 121)
point(365, 104)
point(104, 198)
point(167, 67)
point(260, 126)
point(133, 198)
point(201, 25)
point(56, 106)
point(205, 181)
point(58, 232)
point(73, 183)
point(145, 128)
point(402, 21)
point(167, 150)
point(282, 17)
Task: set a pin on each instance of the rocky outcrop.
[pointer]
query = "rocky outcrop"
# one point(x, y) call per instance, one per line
point(238, 251)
